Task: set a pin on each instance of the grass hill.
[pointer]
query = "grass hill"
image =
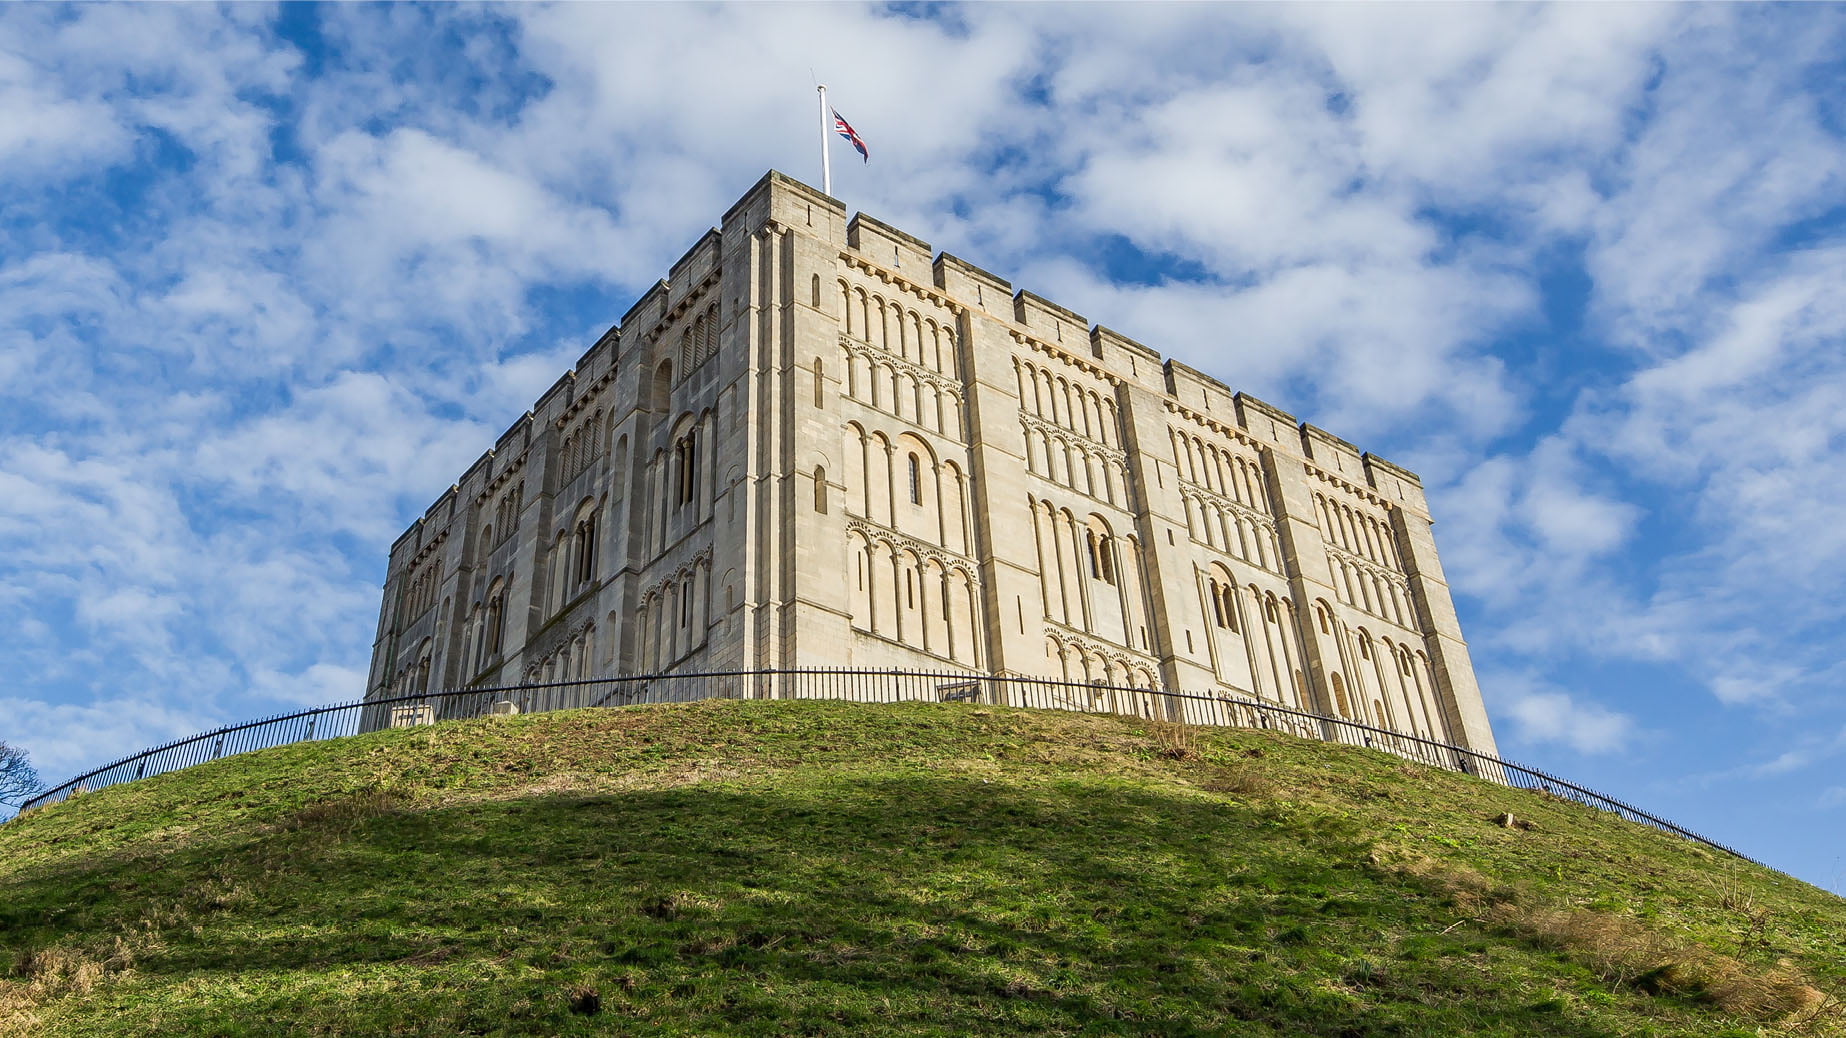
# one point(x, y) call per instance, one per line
point(815, 868)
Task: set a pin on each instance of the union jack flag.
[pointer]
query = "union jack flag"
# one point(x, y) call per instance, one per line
point(844, 129)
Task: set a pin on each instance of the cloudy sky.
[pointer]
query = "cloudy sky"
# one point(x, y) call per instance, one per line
point(271, 277)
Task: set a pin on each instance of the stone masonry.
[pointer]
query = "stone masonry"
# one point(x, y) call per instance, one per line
point(817, 445)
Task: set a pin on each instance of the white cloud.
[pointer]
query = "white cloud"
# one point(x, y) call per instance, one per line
point(1544, 714)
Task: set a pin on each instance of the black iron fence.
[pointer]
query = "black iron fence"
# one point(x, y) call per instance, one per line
point(859, 686)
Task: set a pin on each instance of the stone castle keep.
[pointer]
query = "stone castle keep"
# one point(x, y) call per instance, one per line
point(814, 445)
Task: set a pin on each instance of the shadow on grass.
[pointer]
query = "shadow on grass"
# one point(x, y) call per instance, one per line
point(818, 905)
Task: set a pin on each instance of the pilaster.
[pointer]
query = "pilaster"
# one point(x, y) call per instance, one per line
point(1178, 625)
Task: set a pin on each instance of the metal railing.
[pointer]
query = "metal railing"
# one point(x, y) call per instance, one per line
point(859, 686)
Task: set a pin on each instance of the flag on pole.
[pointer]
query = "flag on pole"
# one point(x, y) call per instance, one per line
point(844, 129)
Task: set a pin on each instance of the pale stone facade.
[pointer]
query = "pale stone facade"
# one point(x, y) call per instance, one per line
point(815, 445)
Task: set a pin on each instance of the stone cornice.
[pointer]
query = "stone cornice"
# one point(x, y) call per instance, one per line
point(1363, 493)
point(678, 309)
point(426, 550)
point(1232, 431)
point(892, 277)
point(501, 478)
point(1053, 350)
point(583, 399)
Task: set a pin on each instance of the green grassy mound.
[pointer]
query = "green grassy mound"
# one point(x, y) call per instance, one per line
point(811, 868)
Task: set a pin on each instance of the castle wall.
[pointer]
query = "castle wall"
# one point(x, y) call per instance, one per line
point(816, 443)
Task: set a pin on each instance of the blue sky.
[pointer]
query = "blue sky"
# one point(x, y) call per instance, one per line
point(271, 277)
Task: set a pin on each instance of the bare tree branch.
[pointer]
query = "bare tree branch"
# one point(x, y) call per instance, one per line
point(18, 779)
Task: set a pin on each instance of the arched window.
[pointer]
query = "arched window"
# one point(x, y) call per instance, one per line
point(916, 481)
point(814, 291)
point(1106, 551)
point(1230, 607)
point(663, 385)
point(1217, 605)
point(686, 454)
point(586, 549)
point(1339, 696)
point(820, 490)
point(496, 618)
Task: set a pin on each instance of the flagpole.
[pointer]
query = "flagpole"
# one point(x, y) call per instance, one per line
point(826, 167)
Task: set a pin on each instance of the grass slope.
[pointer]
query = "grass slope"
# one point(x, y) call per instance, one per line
point(813, 868)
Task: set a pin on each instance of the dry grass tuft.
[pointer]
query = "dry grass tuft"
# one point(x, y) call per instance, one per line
point(343, 814)
point(1239, 780)
point(43, 974)
point(1622, 951)
point(1175, 741)
point(1625, 953)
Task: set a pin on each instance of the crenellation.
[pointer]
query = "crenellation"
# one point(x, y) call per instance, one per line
point(511, 444)
point(1195, 389)
point(649, 309)
point(980, 478)
point(1127, 358)
point(887, 246)
point(1268, 423)
point(1050, 322)
point(1330, 452)
point(968, 284)
point(555, 399)
point(782, 200)
point(693, 269)
point(442, 510)
point(601, 354)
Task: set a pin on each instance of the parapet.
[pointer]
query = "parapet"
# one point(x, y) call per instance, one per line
point(781, 198)
point(1049, 321)
point(697, 264)
point(515, 438)
point(600, 355)
point(958, 279)
point(885, 245)
point(649, 309)
point(1267, 422)
point(1331, 452)
point(1127, 358)
point(547, 399)
point(1195, 389)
